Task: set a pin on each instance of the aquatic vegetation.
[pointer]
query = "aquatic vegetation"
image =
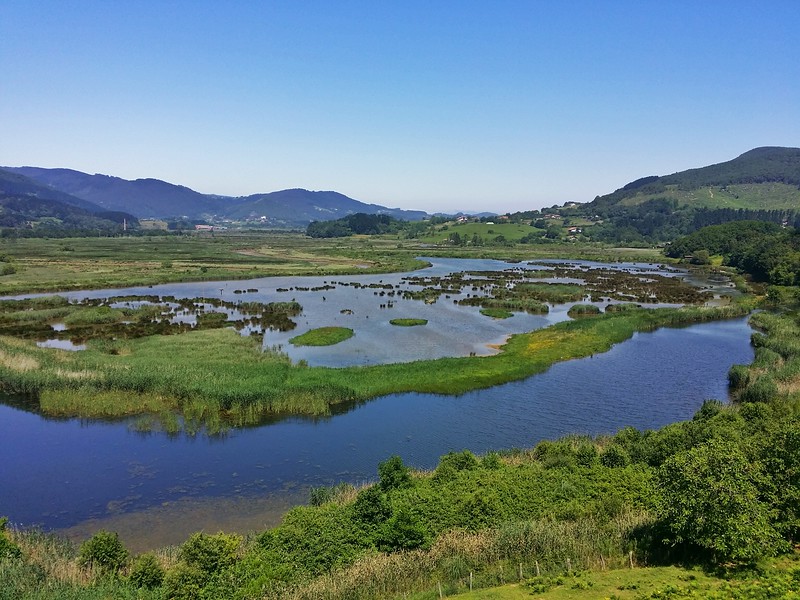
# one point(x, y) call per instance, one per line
point(216, 376)
point(322, 336)
point(408, 322)
point(583, 310)
point(497, 313)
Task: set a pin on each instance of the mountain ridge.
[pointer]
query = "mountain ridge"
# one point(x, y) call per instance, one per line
point(149, 197)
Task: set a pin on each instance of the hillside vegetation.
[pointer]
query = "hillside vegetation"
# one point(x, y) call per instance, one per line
point(762, 184)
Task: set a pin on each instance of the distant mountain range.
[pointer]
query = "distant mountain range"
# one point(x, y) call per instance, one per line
point(153, 198)
point(763, 184)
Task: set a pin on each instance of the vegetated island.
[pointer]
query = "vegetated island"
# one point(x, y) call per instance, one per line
point(322, 336)
point(408, 322)
point(497, 313)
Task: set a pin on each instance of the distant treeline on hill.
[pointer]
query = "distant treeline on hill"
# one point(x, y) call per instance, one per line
point(662, 219)
point(767, 251)
point(356, 224)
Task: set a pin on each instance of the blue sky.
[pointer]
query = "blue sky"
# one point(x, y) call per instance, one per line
point(440, 106)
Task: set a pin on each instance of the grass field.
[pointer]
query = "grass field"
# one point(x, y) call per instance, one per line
point(50, 265)
point(766, 196)
point(46, 265)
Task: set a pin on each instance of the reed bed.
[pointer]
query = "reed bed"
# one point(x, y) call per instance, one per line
point(216, 371)
point(513, 552)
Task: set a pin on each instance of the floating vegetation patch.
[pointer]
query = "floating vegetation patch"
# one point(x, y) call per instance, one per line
point(408, 322)
point(583, 310)
point(621, 307)
point(497, 313)
point(322, 336)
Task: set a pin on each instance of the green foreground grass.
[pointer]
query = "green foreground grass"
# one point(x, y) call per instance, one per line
point(643, 583)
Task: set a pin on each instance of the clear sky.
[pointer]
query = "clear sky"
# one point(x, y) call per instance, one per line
point(434, 105)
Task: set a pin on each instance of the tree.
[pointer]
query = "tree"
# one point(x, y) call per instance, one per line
point(711, 498)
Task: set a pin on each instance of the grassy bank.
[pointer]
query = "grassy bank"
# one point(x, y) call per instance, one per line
point(217, 375)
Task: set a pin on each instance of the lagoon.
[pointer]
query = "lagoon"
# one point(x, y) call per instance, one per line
point(77, 476)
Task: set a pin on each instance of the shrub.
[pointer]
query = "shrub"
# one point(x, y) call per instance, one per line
point(762, 389)
point(453, 462)
point(615, 456)
point(103, 551)
point(184, 582)
point(8, 549)
point(738, 377)
point(393, 474)
point(146, 571)
point(210, 553)
point(371, 506)
point(403, 531)
point(586, 455)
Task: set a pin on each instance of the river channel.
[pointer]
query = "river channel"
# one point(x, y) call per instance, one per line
point(77, 476)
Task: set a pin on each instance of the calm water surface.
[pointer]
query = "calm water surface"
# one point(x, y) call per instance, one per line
point(83, 475)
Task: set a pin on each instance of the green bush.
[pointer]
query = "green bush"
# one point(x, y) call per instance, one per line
point(184, 582)
point(615, 456)
point(738, 377)
point(371, 506)
point(8, 549)
point(393, 474)
point(146, 571)
point(710, 499)
point(103, 551)
point(403, 531)
point(453, 462)
point(586, 455)
point(210, 553)
point(762, 389)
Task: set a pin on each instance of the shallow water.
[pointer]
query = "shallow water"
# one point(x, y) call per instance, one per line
point(452, 330)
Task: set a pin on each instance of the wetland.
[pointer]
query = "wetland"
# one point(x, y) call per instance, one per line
point(164, 452)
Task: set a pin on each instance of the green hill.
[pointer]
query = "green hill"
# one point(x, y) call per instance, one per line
point(763, 178)
point(762, 184)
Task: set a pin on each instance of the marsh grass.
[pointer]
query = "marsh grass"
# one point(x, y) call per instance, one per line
point(583, 310)
point(322, 336)
point(493, 556)
point(217, 376)
point(408, 322)
point(497, 313)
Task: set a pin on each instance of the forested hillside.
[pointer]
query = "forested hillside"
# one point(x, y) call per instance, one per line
point(762, 184)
